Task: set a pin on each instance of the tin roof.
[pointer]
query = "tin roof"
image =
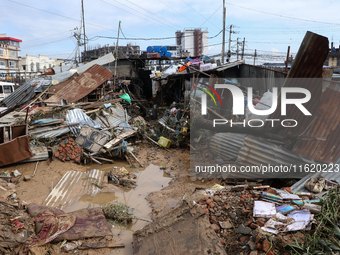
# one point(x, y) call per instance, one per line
point(26, 91)
point(83, 85)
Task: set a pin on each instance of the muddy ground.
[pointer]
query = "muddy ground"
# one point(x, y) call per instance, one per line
point(162, 183)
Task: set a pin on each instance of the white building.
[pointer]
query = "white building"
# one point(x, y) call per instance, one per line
point(192, 42)
point(40, 63)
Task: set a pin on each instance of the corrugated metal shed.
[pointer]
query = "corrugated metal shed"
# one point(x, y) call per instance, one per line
point(26, 91)
point(326, 125)
point(78, 116)
point(226, 145)
point(83, 85)
point(72, 186)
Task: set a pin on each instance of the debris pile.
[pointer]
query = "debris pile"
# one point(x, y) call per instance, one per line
point(252, 219)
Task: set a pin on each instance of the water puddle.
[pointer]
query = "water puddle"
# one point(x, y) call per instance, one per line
point(148, 180)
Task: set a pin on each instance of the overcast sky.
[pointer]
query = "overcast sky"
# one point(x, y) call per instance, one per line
point(46, 27)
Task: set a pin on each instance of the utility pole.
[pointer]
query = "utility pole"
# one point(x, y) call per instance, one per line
point(229, 53)
point(255, 56)
point(244, 41)
point(237, 49)
point(287, 60)
point(223, 43)
point(116, 60)
point(83, 17)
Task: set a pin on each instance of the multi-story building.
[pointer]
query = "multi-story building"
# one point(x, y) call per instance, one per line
point(192, 42)
point(123, 51)
point(9, 49)
point(33, 63)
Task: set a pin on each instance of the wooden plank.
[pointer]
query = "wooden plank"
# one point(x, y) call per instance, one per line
point(120, 138)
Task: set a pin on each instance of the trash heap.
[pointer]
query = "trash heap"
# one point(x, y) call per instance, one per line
point(250, 219)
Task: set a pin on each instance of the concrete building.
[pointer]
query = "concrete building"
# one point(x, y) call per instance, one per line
point(9, 49)
point(33, 63)
point(123, 51)
point(192, 42)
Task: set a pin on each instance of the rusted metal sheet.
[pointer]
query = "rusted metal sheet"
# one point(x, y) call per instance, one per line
point(14, 144)
point(308, 64)
point(72, 186)
point(326, 125)
point(327, 73)
point(83, 85)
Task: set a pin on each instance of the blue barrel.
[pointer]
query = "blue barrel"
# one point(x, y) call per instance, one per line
point(168, 54)
point(157, 49)
point(164, 49)
point(149, 49)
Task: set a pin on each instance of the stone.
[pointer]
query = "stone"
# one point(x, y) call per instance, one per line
point(252, 245)
point(243, 230)
point(209, 201)
point(27, 178)
point(225, 224)
point(248, 222)
point(16, 173)
point(253, 253)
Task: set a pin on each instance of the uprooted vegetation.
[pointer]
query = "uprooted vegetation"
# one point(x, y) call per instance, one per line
point(118, 213)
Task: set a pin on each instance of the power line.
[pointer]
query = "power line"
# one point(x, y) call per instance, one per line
point(211, 15)
point(178, 12)
point(151, 12)
point(148, 39)
point(199, 13)
point(56, 14)
point(48, 36)
point(157, 21)
point(282, 16)
point(48, 43)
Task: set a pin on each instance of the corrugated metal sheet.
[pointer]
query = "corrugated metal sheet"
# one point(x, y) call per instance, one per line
point(26, 91)
point(116, 117)
point(307, 64)
point(331, 84)
point(78, 116)
point(326, 125)
point(226, 146)
point(83, 85)
point(260, 152)
point(229, 65)
point(329, 175)
point(108, 58)
point(39, 154)
point(52, 133)
point(72, 186)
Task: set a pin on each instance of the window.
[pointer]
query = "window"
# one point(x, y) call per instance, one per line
point(37, 67)
point(32, 67)
point(13, 53)
point(2, 52)
point(49, 65)
point(2, 63)
point(1, 91)
point(12, 64)
point(7, 89)
point(15, 43)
